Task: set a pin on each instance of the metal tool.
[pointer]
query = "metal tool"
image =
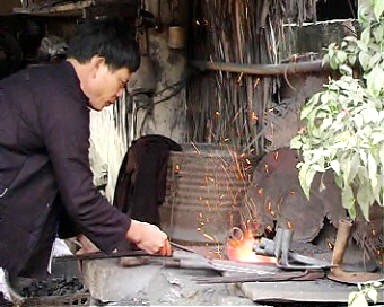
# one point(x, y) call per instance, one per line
point(101, 255)
point(269, 277)
point(286, 259)
point(189, 260)
point(182, 247)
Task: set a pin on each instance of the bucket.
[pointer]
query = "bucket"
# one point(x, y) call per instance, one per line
point(205, 189)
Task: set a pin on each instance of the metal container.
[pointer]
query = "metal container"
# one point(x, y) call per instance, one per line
point(176, 37)
point(205, 188)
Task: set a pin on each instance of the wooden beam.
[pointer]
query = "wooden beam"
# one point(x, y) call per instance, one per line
point(68, 9)
point(263, 69)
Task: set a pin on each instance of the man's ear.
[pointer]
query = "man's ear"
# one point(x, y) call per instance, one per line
point(97, 62)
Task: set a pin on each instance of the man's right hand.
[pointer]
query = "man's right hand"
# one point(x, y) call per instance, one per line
point(148, 237)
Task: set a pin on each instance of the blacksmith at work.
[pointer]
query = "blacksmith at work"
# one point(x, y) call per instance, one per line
point(46, 185)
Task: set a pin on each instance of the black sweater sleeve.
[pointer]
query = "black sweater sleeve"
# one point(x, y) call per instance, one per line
point(65, 128)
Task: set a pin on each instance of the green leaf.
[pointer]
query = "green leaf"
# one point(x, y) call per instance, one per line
point(352, 212)
point(363, 157)
point(296, 142)
point(334, 62)
point(339, 181)
point(345, 70)
point(350, 39)
point(309, 177)
point(358, 120)
point(342, 56)
point(374, 60)
point(302, 179)
point(364, 59)
point(372, 295)
point(335, 164)
point(354, 167)
point(378, 8)
point(363, 15)
point(352, 59)
point(363, 199)
point(370, 115)
point(375, 81)
point(325, 59)
point(306, 174)
point(364, 37)
point(378, 33)
point(372, 170)
point(357, 299)
point(331, 49)
point(377, 137)
point(308, 108)
point(347, 197)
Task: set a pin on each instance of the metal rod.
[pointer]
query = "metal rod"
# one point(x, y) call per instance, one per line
point(252, 277)
point(264, 69)
point(101, 255)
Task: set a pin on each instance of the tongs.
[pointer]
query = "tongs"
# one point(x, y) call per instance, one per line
point(287, 259)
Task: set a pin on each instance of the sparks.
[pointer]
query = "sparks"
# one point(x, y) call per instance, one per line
point(254, 116)
point(241, 250)
point(266, 169)
point(276, 155)
point(257, 82)
point(208, 237)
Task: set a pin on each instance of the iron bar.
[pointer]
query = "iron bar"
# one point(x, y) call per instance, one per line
point(264, 69)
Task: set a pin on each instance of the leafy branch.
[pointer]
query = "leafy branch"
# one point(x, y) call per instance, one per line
point(366, 292)
point(345, 121)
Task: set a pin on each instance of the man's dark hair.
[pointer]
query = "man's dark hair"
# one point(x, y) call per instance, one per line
point(109, 38)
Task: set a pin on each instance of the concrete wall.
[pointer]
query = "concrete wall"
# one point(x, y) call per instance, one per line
point(165, 113)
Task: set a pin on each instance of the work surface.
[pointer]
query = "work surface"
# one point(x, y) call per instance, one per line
point(156, 284)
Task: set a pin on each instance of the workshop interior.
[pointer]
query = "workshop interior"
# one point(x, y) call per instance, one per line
point(199, 144)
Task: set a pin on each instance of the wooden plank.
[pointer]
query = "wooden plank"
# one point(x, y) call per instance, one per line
point(68, 9)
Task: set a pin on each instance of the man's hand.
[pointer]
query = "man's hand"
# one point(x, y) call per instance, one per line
point(149, 238)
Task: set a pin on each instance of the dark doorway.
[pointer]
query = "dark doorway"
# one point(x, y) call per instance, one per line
point(336, 9)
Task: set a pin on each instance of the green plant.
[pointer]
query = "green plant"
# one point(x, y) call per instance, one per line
point(345, 121)
point(366, 292)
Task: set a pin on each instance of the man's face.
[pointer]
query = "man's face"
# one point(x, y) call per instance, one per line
point(106, 85)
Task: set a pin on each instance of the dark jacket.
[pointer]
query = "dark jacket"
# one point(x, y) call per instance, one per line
point(45, 179)
point(141, 184)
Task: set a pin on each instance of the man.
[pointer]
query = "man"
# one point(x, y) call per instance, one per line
point(46, 186)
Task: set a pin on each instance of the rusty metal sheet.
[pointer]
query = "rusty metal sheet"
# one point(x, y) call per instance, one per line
point(204, 192)
point(275, 195)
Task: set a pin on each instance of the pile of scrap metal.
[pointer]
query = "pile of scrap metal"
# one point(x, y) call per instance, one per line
point(275, 197)
point(294, 266)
